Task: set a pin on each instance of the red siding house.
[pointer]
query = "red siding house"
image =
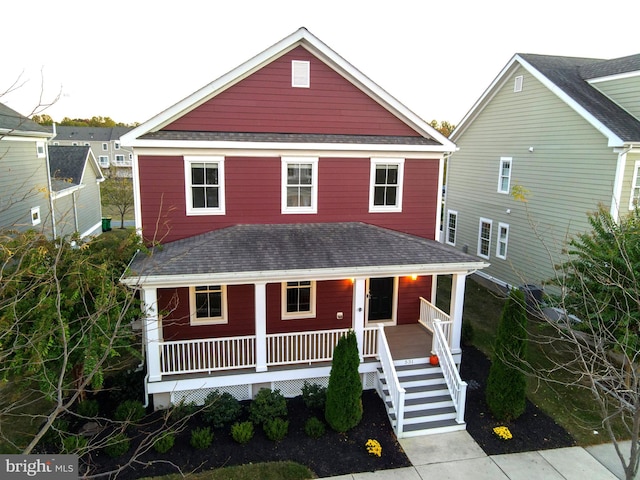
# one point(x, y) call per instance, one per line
point(290, 201)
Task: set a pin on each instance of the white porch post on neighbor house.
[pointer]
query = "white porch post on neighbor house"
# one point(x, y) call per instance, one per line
point(359, 299)
point(455, 309)
point(152, 333)
point(260, 296)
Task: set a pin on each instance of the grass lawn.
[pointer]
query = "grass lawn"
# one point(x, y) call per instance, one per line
point(570, 406)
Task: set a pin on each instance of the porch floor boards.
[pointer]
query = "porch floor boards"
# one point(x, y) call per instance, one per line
point(408, 341)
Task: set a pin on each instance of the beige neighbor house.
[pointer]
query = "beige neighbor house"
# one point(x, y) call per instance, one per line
point(551, 139)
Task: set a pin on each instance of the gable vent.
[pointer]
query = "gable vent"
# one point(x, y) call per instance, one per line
point(517, 85)
point(300, 74)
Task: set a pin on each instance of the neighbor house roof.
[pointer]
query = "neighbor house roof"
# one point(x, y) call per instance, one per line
point(67, 165)
point(90, 134)
point(568, 77)
point(15, 123)
point(293, 251)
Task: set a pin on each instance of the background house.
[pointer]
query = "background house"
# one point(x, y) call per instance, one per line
point(104, 143)
point(294, 200)
point(551, 139)
point(75, 190)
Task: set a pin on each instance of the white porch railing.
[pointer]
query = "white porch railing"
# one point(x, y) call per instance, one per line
point(396, 392)
point(302, 347)
point(457, 387)
point(430, 313)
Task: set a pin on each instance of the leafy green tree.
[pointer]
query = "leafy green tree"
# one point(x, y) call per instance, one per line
point(117, 192)
point(43, 119)
point(444, 127)
point(506, 385)
point(343, 406)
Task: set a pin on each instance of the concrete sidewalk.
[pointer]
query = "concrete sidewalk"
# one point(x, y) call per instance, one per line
point(457, 456)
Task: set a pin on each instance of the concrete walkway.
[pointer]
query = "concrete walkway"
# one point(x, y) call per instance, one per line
point(457, 456)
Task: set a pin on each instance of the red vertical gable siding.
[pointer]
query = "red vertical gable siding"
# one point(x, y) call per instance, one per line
point(266, 102)
point(253, 195)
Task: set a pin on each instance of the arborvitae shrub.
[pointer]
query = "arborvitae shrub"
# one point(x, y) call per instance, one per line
point(276, 428)
point(242, 432)
point(201, 438)
point(221, 409)
point(314, 427)
point(267, 404)
point(343, 408)
point(132, 410)
point(88, 408)
point(314, 396)
point(164, 442)
point(117, 445)
point(506, 386)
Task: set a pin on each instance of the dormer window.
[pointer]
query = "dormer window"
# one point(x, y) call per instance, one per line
point(300, 74)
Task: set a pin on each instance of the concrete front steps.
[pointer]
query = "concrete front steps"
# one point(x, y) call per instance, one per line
point(428, 408)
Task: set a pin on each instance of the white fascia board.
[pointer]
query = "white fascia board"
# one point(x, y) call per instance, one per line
point(277, 276)
point(619, 76)
point(18, 136)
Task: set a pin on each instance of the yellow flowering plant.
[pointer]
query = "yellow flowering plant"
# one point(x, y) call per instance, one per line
point(503, 432)
point(374, 447)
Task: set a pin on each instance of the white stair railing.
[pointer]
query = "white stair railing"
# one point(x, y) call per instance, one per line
point(396, 392)
point(457, 387)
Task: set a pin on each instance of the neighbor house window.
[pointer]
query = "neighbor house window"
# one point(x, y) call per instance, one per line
point(385, 194)
point(116, 145)
point(208, 304)
point(40, 149)
point(503, 240)
point(105, 147)
point(484, 238)
point(35, 216)
point(300, 74)
point(452, 224)
point(104, 160)
point(504, 178)
point(517, 84)
point(204, 182)
point(298, 299)
point(119, 159)
point(635, 188)
point(299, 185)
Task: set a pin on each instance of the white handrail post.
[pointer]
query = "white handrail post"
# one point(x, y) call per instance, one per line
point(260, 296)
point(462, 402)
point(359, 299)
point(152, 333)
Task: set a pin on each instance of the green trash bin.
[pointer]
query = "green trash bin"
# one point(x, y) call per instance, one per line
point(106, 224)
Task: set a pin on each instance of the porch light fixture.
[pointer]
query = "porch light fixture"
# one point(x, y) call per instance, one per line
point(414, 277)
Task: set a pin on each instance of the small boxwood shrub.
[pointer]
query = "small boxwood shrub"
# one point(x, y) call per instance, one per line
point(88, 408)
point(201, 438)
point(268, 404)
point(182, 411)
point(164, 442)
point(276, 428)
point(73, 443)
point(314, 395)
point(117, 445)
point(131, 410)
point(314, 427)
point(242, 432)
point(221, 409)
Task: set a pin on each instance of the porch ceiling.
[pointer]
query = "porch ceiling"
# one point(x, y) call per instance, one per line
point(243, 253)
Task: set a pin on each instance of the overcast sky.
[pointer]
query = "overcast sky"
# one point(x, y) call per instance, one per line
point(130, 60)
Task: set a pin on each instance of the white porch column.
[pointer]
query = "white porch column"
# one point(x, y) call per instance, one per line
point(152, 333)
point(359, 299)
point(455, 309)
point(260, 296)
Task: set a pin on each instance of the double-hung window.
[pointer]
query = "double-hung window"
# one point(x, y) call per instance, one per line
point(300, 185)
point(104, 160)
point(452, 224)
point(299, 299)
point(204, 182)
point(504, 177)
point(503, 240)
point(208, 304)
point(484, 238)
point(635, 188)
point(385, 190)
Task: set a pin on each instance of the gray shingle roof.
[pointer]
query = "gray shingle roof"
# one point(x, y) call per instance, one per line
point(90, 134)
point(569, 73)
point(288, 138)
point(66, 165)
point(294, 247)
point(12, 120)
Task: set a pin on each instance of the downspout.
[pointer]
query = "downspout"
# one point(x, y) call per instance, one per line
point(616, 197)
point(50, 192)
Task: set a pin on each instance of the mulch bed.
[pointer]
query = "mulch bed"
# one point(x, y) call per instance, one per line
point(337, 454)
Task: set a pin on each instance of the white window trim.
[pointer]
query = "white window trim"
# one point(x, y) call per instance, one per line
point(635, 184)
point(105, 147)
point(500, 242)
point(300, 74)
point(40, 149)
point(503, 161)
point(188, 160)
point(490, 222)
point(455, 231)
point(297, 315)
point(210, 320)
point(35, 216)
point(518, 83)
point(286, 161)
point(372, 180)
point(103, 164)
point(116, 145)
